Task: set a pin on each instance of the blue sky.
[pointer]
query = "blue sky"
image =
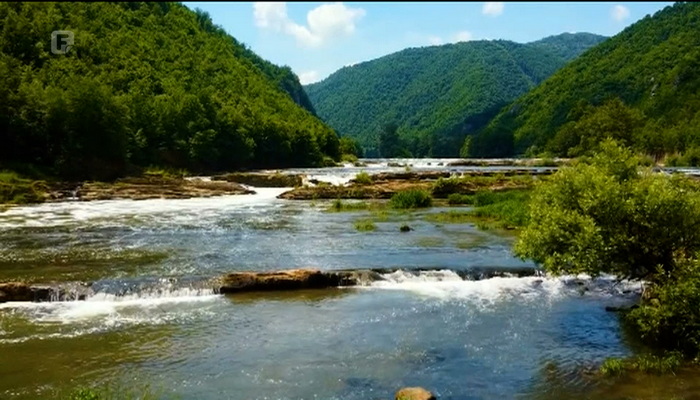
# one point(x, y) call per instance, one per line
point(316, 39)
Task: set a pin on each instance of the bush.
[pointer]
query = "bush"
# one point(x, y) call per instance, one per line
point(365, 225)
point(670, 316)
point(456, 198)
point(606, 215)
point(17, 190)
point(411, 199)
point(363, 178)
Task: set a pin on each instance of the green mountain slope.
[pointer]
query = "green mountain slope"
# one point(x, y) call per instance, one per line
point(641, 87)
point(145, 84)
point(437, 95)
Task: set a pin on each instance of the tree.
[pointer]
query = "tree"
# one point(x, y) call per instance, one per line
point(389, 141)
point(606, 215)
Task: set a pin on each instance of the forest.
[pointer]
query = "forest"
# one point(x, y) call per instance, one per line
point(145, 84)
point(437, 95)
point(641, 87)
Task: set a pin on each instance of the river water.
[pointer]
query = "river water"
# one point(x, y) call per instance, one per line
point(150, 327)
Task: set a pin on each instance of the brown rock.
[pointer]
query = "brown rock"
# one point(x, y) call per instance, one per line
point(281, 280)
point(16, 291)
point(261, 179)
point(414, 393)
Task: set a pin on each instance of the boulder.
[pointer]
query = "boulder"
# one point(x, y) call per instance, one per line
point(280, 280)
point(414, 393)
point(20, 291)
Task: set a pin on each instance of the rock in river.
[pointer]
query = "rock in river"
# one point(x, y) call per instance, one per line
point(414, 393)
point(293, 279)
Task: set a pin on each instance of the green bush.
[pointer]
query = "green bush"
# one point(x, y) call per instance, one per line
point(606, 215)
point(411, 199)
point(363, 178)
point(670, 316)
point(365, 225)
point(17, 190)
point(456, 199)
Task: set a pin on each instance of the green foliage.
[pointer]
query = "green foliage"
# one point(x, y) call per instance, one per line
point(17, 190)
point(640, 87)
point(339, 205)
point(145, 84)
point(350, 146)
point(363, 178)
point(607, 215)
point(408, 199)
point(689, 158)
point(456, 199)
point(365, 225)
point(439, 94)
point(647, 363)
point(670, 317)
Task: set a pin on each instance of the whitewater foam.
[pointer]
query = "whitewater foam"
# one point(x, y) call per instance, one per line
point(448, 285)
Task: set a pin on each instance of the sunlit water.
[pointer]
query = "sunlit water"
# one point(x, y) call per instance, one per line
point(150, 325)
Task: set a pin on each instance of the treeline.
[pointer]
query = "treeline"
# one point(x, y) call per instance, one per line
point(436, 96)
point(641, 87)
point(145, 84)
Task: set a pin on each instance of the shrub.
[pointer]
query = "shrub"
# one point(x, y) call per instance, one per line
point(605, 215)
point(16, 190)
point(456, 198)
point(363, 178)
point(670, 316)
point(411, 199)
point(365, 225)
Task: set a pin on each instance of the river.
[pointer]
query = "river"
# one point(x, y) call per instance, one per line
point(150, 327)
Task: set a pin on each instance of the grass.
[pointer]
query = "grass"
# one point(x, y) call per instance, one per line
point(493, 210)
point(470, 184)
point(365, 225)
point(17, 190)
point(339, 205)
point(460, 199)
point(430, 242)
point(113, 393)
point(363, 178)
point(410, 199)
point(166, 173)
point(648, 364)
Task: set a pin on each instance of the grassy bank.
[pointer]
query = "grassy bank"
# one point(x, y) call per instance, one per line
point(15, 189)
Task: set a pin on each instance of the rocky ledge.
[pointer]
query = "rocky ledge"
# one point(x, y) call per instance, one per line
point(262, 179)
point(145, 188)
point(414, 393)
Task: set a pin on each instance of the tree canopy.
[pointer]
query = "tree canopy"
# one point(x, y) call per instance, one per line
point(647, 75)
point(438, 95)
point(145, 84)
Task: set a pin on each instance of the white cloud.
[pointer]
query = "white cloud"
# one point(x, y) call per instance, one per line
point(434, 40)
point(308, 77)
point(493, 8)
point(325, 22)
point(462, 36)
point(619, 13)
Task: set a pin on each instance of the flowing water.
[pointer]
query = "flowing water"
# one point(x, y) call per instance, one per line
point(150, 323)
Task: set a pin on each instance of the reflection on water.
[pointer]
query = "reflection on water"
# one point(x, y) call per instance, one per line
point(149, 324)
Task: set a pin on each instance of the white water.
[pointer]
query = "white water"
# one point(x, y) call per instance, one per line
point(104, 211)
point(447, 285)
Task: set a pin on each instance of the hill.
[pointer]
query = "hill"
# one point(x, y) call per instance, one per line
point(641, 87)
point(437, 95)
point(145, 84)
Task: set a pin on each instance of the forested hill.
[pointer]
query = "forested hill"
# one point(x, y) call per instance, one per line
point(641, 87)
point(145, 84)
point(437, 95)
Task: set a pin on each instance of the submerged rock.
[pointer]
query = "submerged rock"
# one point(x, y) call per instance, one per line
point(414, 393)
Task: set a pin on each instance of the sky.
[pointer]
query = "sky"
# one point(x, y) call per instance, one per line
point(316, 39)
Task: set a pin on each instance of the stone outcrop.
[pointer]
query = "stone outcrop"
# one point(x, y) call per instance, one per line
point(294, 279)
point(414, 393)
point(261, 179)
point(377, 190)
point(20, 291)
point(147, 188)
